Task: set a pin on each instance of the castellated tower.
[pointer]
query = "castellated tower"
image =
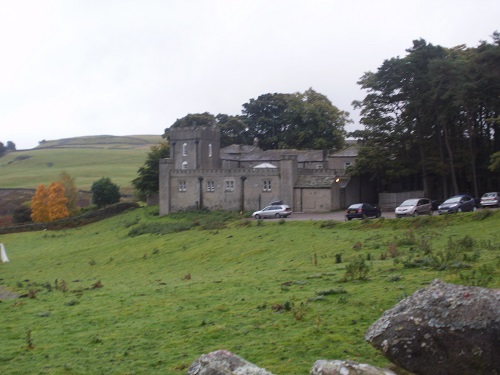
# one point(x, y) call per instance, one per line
point(195, 148)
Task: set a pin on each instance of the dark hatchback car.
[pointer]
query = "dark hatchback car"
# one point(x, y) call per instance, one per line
point(362, 211)
point(458, 203)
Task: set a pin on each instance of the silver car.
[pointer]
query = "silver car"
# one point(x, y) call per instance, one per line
point(414, 207)
point(490, 199)
point(278, 210)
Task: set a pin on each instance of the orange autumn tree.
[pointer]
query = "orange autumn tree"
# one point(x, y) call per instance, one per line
point(39, 206)
point(49, 204)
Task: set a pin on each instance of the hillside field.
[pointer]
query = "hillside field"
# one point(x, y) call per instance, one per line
point(86, 159)
point(143, 294)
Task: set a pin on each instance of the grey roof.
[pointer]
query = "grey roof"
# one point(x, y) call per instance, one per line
point(315, 181)
point(255, 154)
point(351, 151)
point(240, 149)
point(239, 152)
point(302, 155)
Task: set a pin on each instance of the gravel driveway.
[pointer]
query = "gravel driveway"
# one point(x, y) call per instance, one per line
point(336, 216)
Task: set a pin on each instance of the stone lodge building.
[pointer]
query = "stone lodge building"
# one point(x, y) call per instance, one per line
point(201, 175)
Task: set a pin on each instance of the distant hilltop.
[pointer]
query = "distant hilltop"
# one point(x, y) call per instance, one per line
point(102, 141)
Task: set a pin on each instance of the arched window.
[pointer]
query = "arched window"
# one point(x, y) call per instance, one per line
point(209, 150)
point(184, 165)
point(184, 149)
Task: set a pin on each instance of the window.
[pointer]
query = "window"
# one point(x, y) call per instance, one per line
point(184, 165)
point(347, 164)
point(182, 185)
point(210, 186)
point(229, 186)
point(266, 185)
point(209, 150)
point(184, 149)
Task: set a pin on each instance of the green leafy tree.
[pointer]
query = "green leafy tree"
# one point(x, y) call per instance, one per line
point(104, 192)
point(267, 119)
point(301, 120)
point(3, 150)
point(196, 120)
point(11, 146)
point(147, 181)
point(428, 119)
point(495, 162)
point(233, 130)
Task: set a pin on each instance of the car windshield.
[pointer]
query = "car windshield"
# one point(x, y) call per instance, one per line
point(410, 202)
point(453, 200)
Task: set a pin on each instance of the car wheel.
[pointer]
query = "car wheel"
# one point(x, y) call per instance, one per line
point(258, 217)
point(415, 214)
point(277, 216)
point(349, 218)
point(363, 217)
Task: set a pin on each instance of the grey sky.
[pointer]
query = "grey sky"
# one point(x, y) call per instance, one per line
point(90, 67)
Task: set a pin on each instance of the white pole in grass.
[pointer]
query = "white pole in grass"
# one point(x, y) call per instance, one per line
point(3, 253)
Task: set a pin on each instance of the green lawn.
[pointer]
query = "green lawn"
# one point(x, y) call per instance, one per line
point(108, 300)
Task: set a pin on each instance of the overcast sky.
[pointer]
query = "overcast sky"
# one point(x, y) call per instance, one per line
point(89, 67)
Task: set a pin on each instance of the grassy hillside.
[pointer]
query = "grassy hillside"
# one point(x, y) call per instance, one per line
point(142, 294)
point(85, 158)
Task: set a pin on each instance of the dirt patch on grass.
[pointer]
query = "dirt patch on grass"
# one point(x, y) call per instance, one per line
point(6, 294)
point(10, 199)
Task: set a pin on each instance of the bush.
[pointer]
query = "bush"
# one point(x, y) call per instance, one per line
point(105, 192)
point(22, 215)
point(357, 269)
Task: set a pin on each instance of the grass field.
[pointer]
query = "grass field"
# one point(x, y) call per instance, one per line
point(140, 294)
point(86, 159)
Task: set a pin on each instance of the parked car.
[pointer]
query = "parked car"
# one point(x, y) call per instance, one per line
point(458, 203)
point(362, 211)
point(414, 207)
point(276, 210)
point(436, 204)
point(490, 199)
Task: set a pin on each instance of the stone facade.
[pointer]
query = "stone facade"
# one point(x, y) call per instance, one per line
point(199, 174)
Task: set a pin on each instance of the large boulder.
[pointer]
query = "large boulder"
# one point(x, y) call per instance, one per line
point(222, 362)
point(336, 367)
point(442, 329)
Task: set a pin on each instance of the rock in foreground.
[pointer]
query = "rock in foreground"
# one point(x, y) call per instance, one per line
point(223, 362)
point(442, 329)
point(324, 367)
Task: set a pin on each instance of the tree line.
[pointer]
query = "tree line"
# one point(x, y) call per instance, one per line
point(431, 120)
point(305, 120)
point(60, 199)
point(4, 148)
